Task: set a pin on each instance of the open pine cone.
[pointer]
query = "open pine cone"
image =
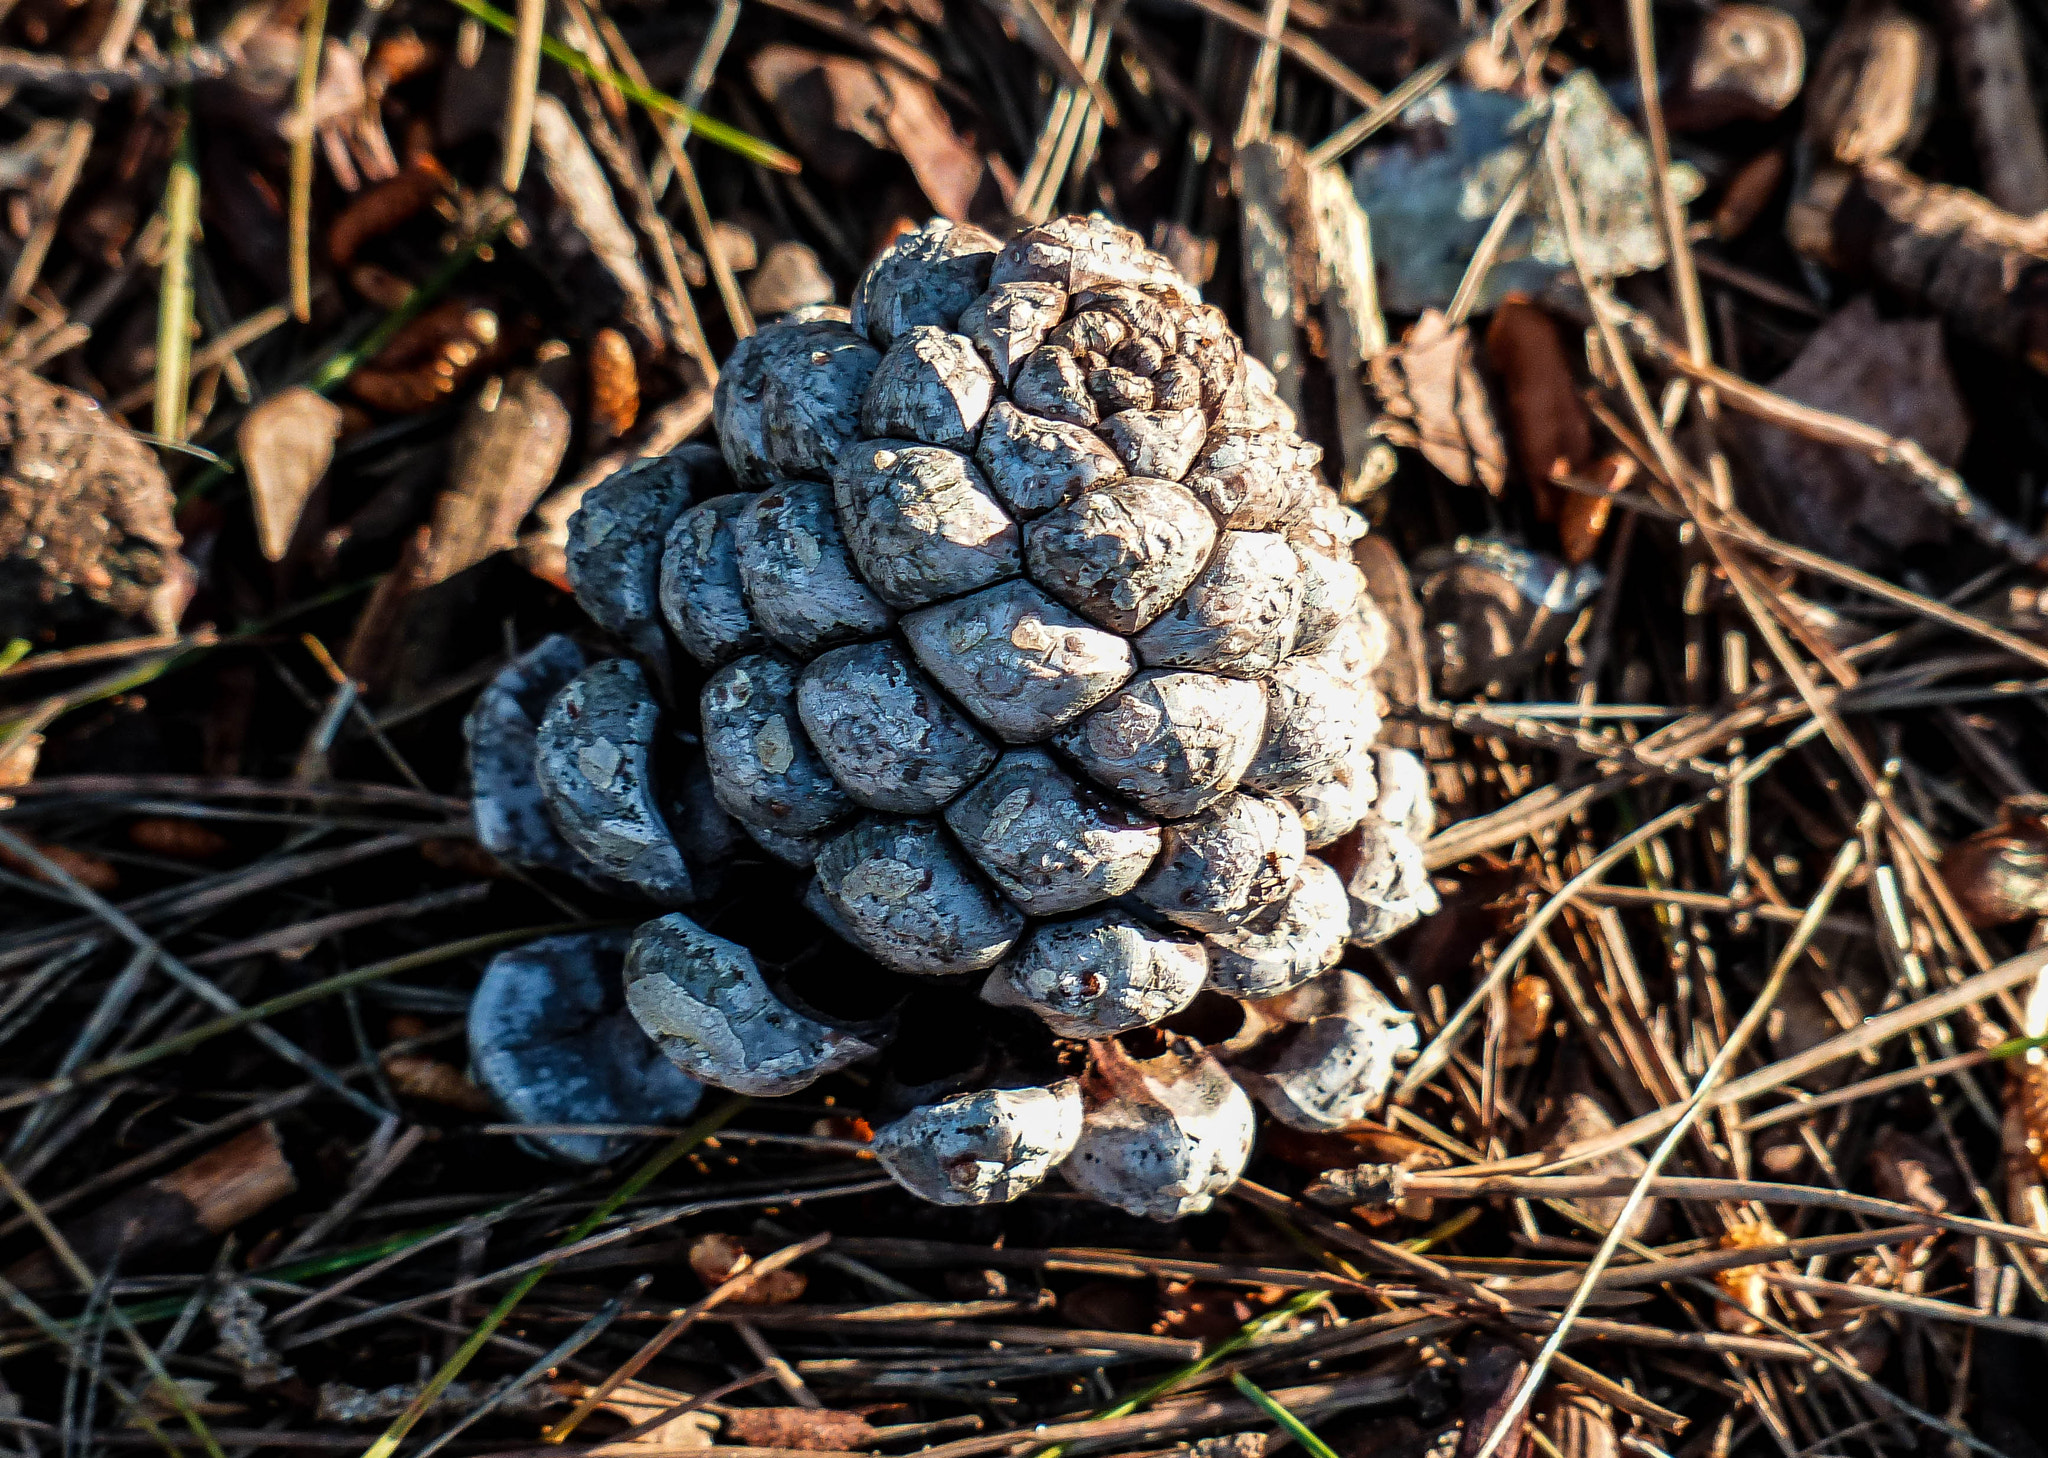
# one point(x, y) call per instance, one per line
point(1033, 631)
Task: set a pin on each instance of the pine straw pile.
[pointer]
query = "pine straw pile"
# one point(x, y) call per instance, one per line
point(1690, 366)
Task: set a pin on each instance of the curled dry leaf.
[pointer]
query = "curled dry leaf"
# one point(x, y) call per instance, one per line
point(1435, 401)
point(1582, 1116)
point(1495, 610)
point(1892, 374)
point(506, 450)
point(838, 111)
point(1746, 63)
point(717, 1258)
point(287, 443)
point(1745, 1285)
point(2000, 874)
point(178, 840)
point(1873, 87)
point(637, 1401)
point(613, 378)
point(789, 278)
point(433, 1081)
point(1547, 421)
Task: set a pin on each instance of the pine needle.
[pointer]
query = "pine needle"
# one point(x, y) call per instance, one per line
point(174, 299)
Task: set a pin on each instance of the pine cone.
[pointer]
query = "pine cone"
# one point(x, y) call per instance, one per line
point(1034, 632)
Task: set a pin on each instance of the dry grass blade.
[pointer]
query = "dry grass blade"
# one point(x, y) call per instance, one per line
point(312, 41)
point(530, 29)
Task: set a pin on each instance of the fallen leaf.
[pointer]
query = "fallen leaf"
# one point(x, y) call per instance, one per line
point(1892, 374)
point(435, 1082)
point(636, 1402)
point(506, 450)
point(287, 444)
point(717, 1258)
point(1433, 192)
point(1435, 402)
point(179, 840)
point(1745, 1285)
point(839, 112)
point(1547, 421)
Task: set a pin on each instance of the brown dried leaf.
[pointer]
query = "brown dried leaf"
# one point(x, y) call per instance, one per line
point(1873, 87)
point(818, 1430)
point(839, 112)
point(287, 443)
point(614, 379)
point(181, 840)
point(384, 207)
point(86, 869)
point(1910, 1171)
point(636, 1401)
point(1746, 1285)
point(435, 1082)
point(1435, 401)
point(717, 1258)
point(1892, 374)
point(1546, 418)
point(506, 451)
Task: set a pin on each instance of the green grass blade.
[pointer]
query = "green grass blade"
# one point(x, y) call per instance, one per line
point(1310, 1444)
point(734, 140)
point(388, 1441)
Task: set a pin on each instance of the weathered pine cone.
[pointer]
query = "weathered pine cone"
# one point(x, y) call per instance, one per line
point(1033, 632)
